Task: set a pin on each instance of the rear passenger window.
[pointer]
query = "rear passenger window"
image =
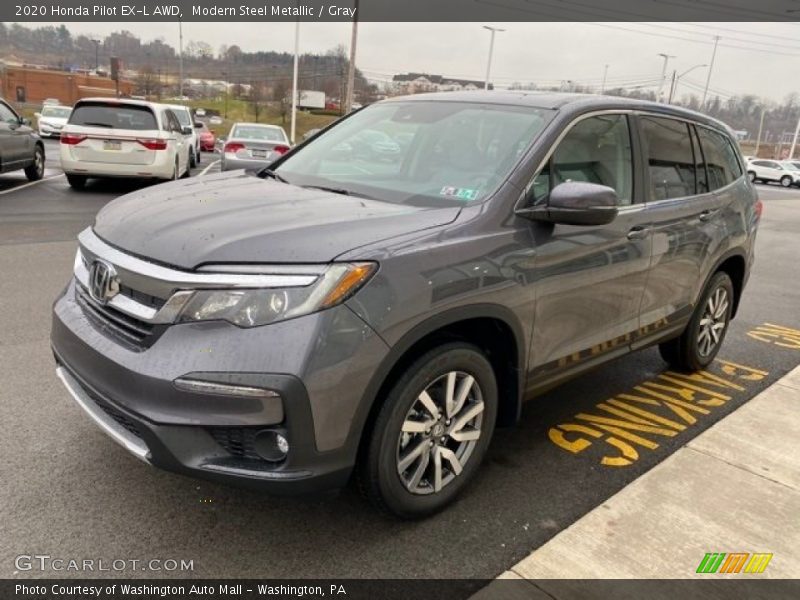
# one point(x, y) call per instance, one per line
point(595, 150)
point(670, 158)
point(721, 162)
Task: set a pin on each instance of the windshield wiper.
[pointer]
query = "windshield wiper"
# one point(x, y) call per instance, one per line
point(333, 190)
point(273, 175)
point(93, 124)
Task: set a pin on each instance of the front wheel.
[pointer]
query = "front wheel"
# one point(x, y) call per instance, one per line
point(36, 171)
point(700, 342)
point(431, 433)
point(786, 181)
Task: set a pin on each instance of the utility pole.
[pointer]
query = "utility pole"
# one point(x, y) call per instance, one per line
point(603, 86)
point(760, 127)
point(666, 57)
point(794, 140)
point(96, 55)
point(351, 71)
point(180, 59)
point(294, 79)
point(676, 79)
point(491, 50)
point(672, 86)
point(710, 69)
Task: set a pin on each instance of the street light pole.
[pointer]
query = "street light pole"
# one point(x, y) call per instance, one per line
point(710, 69)
point(794, 140)
point(663, 75)
point(351, 71)
point(603, 86)
point(676, 80)
point(180, 59)
point(96, 55)
point(491, 50)
point(294, 79)
point(760, 127)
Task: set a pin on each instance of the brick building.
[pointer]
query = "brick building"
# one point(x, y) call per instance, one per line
point(32, 85)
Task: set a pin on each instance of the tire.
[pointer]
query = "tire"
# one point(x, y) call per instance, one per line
point(36, 171)
point(697, 346)
point(76, 182)
point(751, 175)
point(786, 181)
point(198, 158)
point(415, 491)
point(176, 171)
point(192, 158)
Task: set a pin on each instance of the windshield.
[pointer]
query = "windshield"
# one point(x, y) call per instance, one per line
point(424, 152)
point(57, 112)
point(254, 132)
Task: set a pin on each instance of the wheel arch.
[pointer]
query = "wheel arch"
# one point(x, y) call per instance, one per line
point(734, 263)
point(493, 328)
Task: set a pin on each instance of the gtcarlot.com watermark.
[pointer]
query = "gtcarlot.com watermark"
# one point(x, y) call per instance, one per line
point(45, 562)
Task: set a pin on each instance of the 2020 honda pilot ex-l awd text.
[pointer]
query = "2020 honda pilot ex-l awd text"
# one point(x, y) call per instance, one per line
point(340, 313)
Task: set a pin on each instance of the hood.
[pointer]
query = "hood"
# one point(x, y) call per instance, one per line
point(240, 218)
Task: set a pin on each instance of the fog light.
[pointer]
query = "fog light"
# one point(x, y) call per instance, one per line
point(271, 445)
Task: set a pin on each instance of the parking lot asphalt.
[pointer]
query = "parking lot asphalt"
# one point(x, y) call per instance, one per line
point(68, 491)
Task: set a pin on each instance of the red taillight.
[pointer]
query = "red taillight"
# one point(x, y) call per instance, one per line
point(153, 143)
point(281, 149)
point(759, 208)
point(71, 139)
point(233, 147)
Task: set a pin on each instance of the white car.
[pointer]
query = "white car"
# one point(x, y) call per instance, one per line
point(184, 115)
point(51, 119)
point(786, 172)
point(107, 137)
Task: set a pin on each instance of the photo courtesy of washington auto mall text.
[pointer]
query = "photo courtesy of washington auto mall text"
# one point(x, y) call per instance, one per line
point(368, 299)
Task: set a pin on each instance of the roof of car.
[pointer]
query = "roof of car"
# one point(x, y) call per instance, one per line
point(130, 101)
point(562, 101)
point(258, 125)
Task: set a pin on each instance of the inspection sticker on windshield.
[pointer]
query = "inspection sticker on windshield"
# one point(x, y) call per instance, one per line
point(460, 193)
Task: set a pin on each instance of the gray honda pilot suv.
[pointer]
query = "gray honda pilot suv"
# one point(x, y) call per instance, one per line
point(375, 305)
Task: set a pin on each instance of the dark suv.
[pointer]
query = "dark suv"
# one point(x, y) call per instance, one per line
point(20, 146)
point(341, 313)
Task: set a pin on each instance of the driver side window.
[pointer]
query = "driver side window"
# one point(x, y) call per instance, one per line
point(595, 150)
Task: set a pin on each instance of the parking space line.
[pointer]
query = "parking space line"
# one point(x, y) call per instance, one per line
point(30, 183)
point(204, 171)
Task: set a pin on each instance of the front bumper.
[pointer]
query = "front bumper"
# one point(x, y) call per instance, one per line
point(130, 394)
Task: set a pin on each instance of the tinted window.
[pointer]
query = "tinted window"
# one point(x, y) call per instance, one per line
point(113, 116)
point(721, 162)
point(670, 159)
point(254, 132)
point(183, 116)
point(7, 115)
point(595, 150)
point(58, 112)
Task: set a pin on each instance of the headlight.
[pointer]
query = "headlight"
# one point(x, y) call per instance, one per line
point(252, 307)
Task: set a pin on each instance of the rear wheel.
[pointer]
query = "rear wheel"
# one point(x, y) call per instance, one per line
point(76, 182)
point(431, 433)
point(698, 345)
point(192, 158)
point(786, 181)
point(36, 171)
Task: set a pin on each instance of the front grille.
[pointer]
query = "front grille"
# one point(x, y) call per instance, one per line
point(116, 414)
point(141, 297)
point(133, 333)
point(238, 441)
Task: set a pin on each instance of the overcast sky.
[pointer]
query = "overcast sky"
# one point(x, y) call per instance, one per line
point(752, 58)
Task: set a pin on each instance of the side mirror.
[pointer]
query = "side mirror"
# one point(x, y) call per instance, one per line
point(25, 121)
point(576, 203)
point(187, 130)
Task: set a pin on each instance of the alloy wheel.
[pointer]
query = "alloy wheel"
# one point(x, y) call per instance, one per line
point(713, 322)
point(439, 433)
point(38, 160)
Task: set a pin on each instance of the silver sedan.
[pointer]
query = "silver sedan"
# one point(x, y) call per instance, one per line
point(253, 146)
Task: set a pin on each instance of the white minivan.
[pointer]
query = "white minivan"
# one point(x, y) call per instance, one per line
point(110, 137)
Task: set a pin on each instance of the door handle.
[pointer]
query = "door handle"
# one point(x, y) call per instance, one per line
point(638, 233)
point(708, 214)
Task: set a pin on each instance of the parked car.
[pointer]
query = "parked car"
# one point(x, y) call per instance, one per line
point(253, 146)
point(215, 120)
point(327, 316)
point(208, 140)
point(793, 167)
point(190, 131)
point(20, 147)
point(51, 119)
point(123, 138)
point(772, 170)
